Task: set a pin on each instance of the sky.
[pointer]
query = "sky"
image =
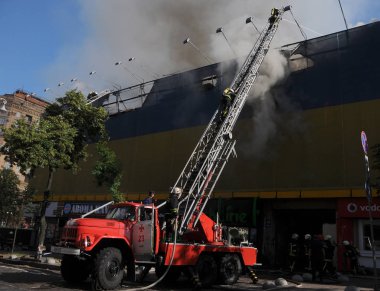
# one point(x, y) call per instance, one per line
point(51, 46)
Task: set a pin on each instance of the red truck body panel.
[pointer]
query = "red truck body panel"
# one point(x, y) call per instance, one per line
point(188, 254)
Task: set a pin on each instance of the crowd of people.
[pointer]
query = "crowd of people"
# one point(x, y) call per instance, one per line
point(315, 254)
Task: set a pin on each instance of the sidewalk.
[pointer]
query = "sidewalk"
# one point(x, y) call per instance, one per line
point(21, 257)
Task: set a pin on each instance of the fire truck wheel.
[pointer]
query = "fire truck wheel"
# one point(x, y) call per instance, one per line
point(207, 270)
point(109, 268)
point(230, 269)
point(74, 269)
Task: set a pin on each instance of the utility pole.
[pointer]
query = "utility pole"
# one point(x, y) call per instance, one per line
point(367, 187)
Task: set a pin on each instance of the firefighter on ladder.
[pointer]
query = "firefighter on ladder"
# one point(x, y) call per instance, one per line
point(172, 212)
point(272, 18)
point(228, 98)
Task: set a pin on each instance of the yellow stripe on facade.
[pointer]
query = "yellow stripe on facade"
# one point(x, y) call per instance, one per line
point(325, 193)
point(302, 194)
point(246, 194)
point(288, 194)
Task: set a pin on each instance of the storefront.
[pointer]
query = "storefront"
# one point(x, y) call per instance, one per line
point(353, 225)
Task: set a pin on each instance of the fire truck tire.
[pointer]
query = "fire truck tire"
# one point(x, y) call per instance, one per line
point(74, 269)
point(207, 270)
point(109, 268)
point(230, 269)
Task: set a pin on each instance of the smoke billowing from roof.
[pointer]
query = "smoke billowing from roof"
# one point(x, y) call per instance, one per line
point(153, 33)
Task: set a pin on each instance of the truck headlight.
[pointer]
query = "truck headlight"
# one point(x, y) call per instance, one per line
point(86, 241)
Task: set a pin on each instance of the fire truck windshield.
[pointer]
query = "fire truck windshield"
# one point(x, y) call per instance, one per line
point(122, 213)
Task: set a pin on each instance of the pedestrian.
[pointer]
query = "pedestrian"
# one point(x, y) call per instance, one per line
point(293, 254)
point(329, 249)
point(351, 255)
point(150, 199)
point(172, 212)
point(317, 256)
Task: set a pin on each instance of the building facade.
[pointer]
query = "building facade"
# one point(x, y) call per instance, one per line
point(19, 105)
point(300, 160)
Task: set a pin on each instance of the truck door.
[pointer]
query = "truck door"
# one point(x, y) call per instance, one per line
point(143, 234)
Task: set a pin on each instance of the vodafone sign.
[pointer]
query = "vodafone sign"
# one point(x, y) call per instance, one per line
point(358, 207)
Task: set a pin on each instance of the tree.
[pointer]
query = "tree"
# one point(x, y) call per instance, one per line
point(9, 192)
point(107, 171)
point(12, 199)
point(59, 140)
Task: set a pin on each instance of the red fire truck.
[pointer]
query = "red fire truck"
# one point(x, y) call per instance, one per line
point(133, 236)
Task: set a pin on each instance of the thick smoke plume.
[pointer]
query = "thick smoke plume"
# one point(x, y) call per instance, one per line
point(152, 31)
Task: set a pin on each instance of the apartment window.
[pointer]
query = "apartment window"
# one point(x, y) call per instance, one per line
point(28, 118)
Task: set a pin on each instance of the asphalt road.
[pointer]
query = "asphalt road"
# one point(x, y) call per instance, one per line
point(23, 277)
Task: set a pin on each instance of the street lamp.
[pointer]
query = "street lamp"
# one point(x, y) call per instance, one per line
point(250, 20)
point(220, 30)
point(188, 41)
point(145, 68)
point(138, 78)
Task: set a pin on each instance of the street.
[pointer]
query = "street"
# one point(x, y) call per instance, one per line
point(24, 277)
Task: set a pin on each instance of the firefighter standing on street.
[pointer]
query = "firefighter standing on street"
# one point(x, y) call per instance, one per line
point(329, 249)
point(172, 211)
point(228, 98)
point(307, 252)
point(293, 252)
point(351, 255)
point(317, 256)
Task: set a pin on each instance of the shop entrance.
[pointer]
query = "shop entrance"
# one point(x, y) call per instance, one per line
point(300, 221)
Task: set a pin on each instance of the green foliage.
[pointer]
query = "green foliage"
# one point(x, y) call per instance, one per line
point(48, 143)
point(107, 170)
point(88, 121)
point(59, 140)
point(117, 196)
point(9, 193)
point(107, 166)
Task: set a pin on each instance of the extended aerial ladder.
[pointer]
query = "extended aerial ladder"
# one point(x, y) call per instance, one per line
point(216, 144)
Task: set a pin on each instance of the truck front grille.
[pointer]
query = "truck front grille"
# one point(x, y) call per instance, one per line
point(69, 233)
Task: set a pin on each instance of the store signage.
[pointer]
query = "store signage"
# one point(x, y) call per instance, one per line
point(358, 207)
point(82, 208)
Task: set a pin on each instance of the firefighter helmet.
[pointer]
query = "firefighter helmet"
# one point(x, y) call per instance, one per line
point(328, 237)
point(177, 190)
point(294, 236)
point(228, 91)
point(307, 236)
point(346, 242)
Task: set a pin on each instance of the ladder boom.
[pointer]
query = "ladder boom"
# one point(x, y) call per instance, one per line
point(207, 161)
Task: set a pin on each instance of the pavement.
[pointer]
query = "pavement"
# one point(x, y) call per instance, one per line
point(22, 257)
point(47, 261)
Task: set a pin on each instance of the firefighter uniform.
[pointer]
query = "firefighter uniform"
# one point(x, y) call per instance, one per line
point(172, 212)
point(351, 254)
point(307, 252)
point(293, 253)
point(329, 249)
point(228, 98)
